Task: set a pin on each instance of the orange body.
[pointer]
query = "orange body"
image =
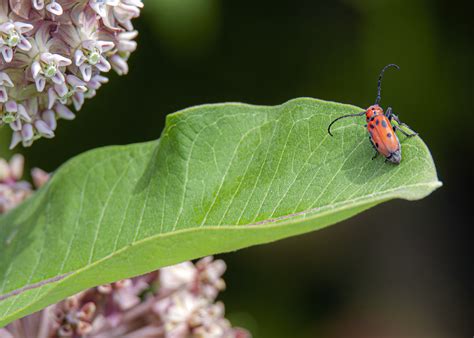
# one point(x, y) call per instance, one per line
point(382, 135)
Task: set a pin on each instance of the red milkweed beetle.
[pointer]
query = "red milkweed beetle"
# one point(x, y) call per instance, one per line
point(380, 127)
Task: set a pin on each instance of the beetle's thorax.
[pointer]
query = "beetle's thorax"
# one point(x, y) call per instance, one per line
point(373, 111)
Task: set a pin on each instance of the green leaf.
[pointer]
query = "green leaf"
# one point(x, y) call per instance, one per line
point(222, 177)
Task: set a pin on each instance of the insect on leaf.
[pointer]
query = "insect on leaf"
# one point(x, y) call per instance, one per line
point(222, 177)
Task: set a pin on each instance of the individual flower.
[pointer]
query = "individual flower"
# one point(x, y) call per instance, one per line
point(121, 296)
point(15, 114)
point(209, 322)
point(209, 281)
point(177, 312)
point(12, 171)
point(71, 90)
point(117, 13)
point(71, 318)
point(52, 6)
point(20, 8)
point(186, 314)
point(39, 176)
point(92, 86)
point(5, 82)
point(125, 46)
point(177, 276)
point(202, 278)
point(39, 124)
point(12, 34)
point(101, 7)
point(49, 66)
point(87, 48)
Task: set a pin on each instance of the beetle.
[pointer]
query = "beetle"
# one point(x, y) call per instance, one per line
point(380, 127)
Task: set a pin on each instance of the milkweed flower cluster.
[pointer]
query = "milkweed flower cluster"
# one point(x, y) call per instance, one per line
point(53, 55)
point(13, 190)
point(173, 302)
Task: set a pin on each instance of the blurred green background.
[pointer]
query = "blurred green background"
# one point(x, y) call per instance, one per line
point(403, 269)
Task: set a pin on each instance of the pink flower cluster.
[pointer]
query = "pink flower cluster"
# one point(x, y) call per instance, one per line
point(13, 190)
point(174, 302)
point(53, 54)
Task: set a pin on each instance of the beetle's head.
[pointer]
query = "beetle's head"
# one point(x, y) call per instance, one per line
point(373, 111)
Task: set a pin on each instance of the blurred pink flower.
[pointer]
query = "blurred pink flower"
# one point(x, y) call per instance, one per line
point(13, 191)
point(203, 278)
point(137, 307)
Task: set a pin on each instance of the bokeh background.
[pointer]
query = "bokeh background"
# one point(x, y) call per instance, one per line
point(402, 269)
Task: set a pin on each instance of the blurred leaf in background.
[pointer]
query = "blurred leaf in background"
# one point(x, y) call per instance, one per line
point(185, 28)
point(4, 142)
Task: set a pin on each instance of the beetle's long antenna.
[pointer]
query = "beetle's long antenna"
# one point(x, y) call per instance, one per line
point(379, 86)
point(342, 117)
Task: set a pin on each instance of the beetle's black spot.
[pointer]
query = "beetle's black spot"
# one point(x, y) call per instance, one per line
point(384, 124)
point(371, 126)
point(377, 122)
point(372, 118)
point(376, 145)
point(389, 135)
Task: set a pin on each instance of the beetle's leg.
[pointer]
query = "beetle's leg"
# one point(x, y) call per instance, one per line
point(388, 113)
point(401, 124)
point(405, 133)
point(373, 145)
point(395, 128)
